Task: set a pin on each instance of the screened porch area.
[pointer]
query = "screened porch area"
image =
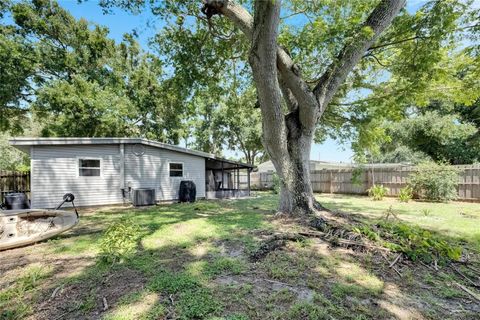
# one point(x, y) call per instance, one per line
point(226, 179)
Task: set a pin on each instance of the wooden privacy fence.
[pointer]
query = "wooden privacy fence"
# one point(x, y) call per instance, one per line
point(359, 180)
point(12, 181)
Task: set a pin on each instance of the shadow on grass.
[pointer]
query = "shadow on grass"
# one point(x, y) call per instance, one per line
point(192, 263)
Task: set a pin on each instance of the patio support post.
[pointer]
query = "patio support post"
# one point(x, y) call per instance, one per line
point(238, 178)
point(248, 180)
point(221, 185)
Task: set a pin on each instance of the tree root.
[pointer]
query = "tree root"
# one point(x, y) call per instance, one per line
point(275, 242)
point(335, 235)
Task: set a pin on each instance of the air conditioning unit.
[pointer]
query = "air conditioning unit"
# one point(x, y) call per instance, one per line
point(143, 197)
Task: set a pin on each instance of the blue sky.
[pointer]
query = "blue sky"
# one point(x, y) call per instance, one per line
point(145, 25)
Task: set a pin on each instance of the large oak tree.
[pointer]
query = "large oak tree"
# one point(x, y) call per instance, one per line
point(287, 136)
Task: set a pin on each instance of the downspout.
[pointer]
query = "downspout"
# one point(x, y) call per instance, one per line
point(122, 165)
point(32, 203)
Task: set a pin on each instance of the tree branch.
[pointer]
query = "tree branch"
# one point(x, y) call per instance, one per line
point(263, 60)
point(289, 72)
point(288, 96)
point(370, 54)
point(368, 33)
point(395, 42)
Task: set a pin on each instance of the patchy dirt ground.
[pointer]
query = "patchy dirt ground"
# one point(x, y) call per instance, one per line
point(193, 261)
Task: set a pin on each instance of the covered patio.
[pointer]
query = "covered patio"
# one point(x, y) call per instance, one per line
point(226, 179)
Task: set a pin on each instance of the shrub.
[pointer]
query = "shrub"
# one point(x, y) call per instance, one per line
point(119, 241)
point(436, 182)
point(406, 194)
point(377, 192)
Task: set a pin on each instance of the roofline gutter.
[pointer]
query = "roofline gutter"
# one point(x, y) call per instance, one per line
point(22, 143)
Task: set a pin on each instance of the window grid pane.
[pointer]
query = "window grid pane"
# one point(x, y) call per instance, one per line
point(89, 168)
point(176, 170)
point(89, 172)
point(89, 163)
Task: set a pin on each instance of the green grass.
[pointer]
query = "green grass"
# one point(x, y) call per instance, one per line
point(27, 281)
point(191, 261)
point(458, 220)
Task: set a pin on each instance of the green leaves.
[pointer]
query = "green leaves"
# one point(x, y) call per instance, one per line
point(405, 194)
point(377, 192)
point(119, 241)
point(439, 137)
point(68, 75)
point(436, 182)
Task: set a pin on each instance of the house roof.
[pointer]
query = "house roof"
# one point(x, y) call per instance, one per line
point(24, 144)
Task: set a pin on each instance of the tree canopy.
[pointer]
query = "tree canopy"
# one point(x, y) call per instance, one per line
point(69, 75)
point(409, 63)
point(196, 83)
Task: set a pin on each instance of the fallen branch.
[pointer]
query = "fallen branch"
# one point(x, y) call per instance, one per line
point(471, 293)
point(275, 242)
point(55, 292)
point(464, 276)
point(361, 244)
point(393, 267)
point(395, 261)
point(105, 304)
point(477, 271)
point(325, 236)
point(313, 234)
point(426, 265)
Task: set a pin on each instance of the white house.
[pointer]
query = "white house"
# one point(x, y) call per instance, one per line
point(96, 170)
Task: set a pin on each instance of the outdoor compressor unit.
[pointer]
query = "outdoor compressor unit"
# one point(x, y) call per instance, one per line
point(143, 197)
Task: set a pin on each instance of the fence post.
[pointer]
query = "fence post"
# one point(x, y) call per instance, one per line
point(330, 180)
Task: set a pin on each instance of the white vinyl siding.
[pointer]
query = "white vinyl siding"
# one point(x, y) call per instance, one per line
point(152, 170)
point(55, 171)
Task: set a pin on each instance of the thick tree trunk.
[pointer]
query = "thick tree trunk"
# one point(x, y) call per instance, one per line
point(286, 140)
point(296, 195)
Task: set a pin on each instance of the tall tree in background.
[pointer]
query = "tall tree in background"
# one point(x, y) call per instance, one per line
point(230, 121)
point(67, 74)
point(241, 121)
point(437, 118)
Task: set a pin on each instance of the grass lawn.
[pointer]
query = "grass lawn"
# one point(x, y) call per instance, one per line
point(192, 261)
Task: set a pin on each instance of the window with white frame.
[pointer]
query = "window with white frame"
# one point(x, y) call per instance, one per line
point(89, 167)
point(176, 169)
